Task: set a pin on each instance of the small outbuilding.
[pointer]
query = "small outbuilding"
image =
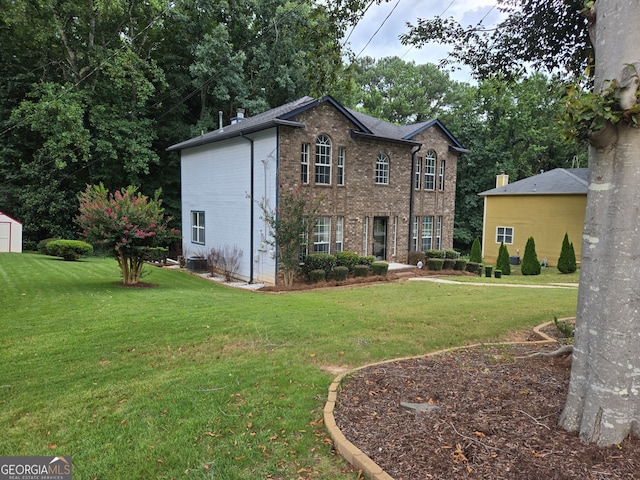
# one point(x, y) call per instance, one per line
point(10, 234)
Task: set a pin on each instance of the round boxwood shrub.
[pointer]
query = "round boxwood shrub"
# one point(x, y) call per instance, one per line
point(42, 245)
point(451, 254)
point(380, 268)
point(461, 264)
point(347, 259)
point(340, 273)
point(319, 261)
point(415, 257)
point(448, 264)
point(472, 267)
point(435, 254)
point(361, 270)
point(69, 250)
point(367, 260)
point(317, 275)
point(435, 264)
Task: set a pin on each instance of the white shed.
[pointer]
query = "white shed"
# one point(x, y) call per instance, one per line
point(10, 234)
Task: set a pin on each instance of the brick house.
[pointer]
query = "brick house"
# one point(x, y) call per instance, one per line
point(386, 189)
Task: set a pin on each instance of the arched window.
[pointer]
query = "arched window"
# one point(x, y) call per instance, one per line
point(382, 169)
point(323, 160)
point(430, 170)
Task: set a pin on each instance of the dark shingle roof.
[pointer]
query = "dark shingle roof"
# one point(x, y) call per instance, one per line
point(365, 125)
point(559, 181)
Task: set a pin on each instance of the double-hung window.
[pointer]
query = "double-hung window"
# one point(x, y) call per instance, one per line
point(417, 173)
point(322, 235)
point(197, 227)
point(416, 226)
point(427, 233)
point(341, 155)
point(339, 234)
point(304, 163)
point(323, 160)
point(430, 170)
point(382, 169)
point(441, 176)
point(439, 233)
point(504, 234)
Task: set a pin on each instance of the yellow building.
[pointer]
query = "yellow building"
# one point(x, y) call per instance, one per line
point(545, 207)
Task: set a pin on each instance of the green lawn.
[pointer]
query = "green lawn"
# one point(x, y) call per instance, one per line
point(192, 379)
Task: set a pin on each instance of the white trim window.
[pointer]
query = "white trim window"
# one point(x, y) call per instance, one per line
point(417, 174)
point(323, 160)
point(382, 169)
point(339, 234)
point(441, 175)
point(341, 156)
point(430, 170)
point(322, 235)
point(304, 163)
point(197, 227)
point(439, 233)
point(416, 225)
point(427, 233)
point(365, 235)
point(394, 240)
point(504, 234)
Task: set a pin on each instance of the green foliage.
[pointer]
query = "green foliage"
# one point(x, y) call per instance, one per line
point(347, 259)
point(69, 250)
point(317, 275)
point(473, 267)
point(319, 261)
point(42, 245)
point(435, 264)
point(461, 264)
point(367, 260)
point(567, 261)
point(289, 224)
point(127, 223)
point(340, 273)
point(502, 263)
point(451, 254)
point(449, 264)
point(361, 270)
point(476, 252)
point(435, 254)
point(565, 328)
point(380, 268)
point(530, 262)
point(415, 257)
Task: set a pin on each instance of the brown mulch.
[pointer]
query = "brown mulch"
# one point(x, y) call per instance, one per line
point(495, 418)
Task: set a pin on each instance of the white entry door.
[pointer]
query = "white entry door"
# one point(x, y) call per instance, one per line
point(5, 237)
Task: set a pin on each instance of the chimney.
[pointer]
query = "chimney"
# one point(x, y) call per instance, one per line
point(502, 180)
point(239, 116)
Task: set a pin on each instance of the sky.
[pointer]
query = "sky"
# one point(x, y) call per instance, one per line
point(385, 42)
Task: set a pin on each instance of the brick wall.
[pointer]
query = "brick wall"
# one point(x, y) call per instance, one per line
point(361, 197)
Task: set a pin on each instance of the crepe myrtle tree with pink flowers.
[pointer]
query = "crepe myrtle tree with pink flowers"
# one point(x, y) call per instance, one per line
point(130, 224)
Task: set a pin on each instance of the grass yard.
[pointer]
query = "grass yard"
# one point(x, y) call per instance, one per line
point(195, 380)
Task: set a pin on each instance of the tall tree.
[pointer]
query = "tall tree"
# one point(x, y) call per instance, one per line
point(603, 403)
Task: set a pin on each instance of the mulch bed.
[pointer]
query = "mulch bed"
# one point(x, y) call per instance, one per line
point(495, 418)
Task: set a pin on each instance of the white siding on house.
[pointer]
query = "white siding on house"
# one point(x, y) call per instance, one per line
point(10, 234)
point(216, 179)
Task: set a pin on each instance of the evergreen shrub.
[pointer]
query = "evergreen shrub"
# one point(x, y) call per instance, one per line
point(347, 259)
point(472, 267)
point(567, 261)
point(476, 251)
point(502, 263)
point(415, 257)
point(367, 260)
point(340, 273)
point(461, 264)
point(361, 270)
point(317, 275)
point(69, 250)
point(434, 254)
point(530, 263)
point(319, 261)
point(380, 268)
point(435, 264)
point(42, 245)
point(451, 254)
point(448, 264)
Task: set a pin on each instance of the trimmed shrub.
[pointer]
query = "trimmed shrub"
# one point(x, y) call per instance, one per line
point(317, 275)
point(567, 260)
point(340, 273)
point(435, 264)
point(502, 263)
point(449, 264)
point(434, 254)
point(472, 267)
point(415, 257)
point(461, 264)
point(476, 251)
point(69, 250)
point(158, 254)
point(380, 268)
point(319, 261)
point(368, 260)
point(42, 245)
point(347, 259)
point(451, 254)
point(361, 270)
point(530, 263)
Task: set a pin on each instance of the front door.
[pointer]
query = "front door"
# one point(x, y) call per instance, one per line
point(380, 237)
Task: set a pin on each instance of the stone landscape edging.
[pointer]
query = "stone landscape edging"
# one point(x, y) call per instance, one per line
point(356, 457)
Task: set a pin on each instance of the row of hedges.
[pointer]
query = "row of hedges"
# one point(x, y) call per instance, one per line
point(320, 266)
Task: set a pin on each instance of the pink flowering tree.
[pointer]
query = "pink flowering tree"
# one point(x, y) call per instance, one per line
point(130, 224)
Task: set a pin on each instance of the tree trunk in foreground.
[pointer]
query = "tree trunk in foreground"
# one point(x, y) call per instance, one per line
point(603, 403)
